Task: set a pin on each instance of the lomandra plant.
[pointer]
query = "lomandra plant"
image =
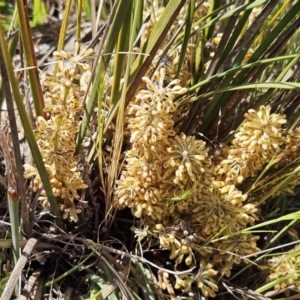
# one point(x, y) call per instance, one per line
point(187, 114)
point(56, 135)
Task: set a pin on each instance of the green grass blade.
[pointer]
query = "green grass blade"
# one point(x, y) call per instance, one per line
point(70, 271)
point(235, 58)
point(267, 95)
point(156, 38)
point(28, 129)
point(63, 30)
point(13, 43)
point(78, 25)
point(114, 30)
point(101, 289)
point(39, 15)
point(242, 67)
point(188, 26)
point(160, 29)
point(99, 284)
point(231, 36)
point(144, 277)
point(13, 207)
point(87, 9)
point(110, 44)
point(270, 85)
point(121, 48)
point(30, 59)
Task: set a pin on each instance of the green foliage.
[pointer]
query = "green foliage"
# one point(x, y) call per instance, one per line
point(87, 8)
point(6, 9)
point(39, 13)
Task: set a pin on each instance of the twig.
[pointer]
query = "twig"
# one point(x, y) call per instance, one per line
point(93, 246)
point(249, 294)
point(39, 245)
point(70, 271)
point(39, 288)
point(27, 291)
point(15, 275)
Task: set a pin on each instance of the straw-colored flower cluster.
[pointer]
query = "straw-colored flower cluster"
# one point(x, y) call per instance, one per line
point(257, 141)
point(232, 250)
point(149, 118)
point(291, 152)
point(182, 175)
point(194, 203)
point(170, 178)
point(56, 133)
point(224, 212)
point(204, 280)
point(187, 169)
point(285, 271)
point(180, 242)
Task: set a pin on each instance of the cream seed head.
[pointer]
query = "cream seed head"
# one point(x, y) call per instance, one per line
point(56, 135)
point(258, 139)
point(168, 177)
